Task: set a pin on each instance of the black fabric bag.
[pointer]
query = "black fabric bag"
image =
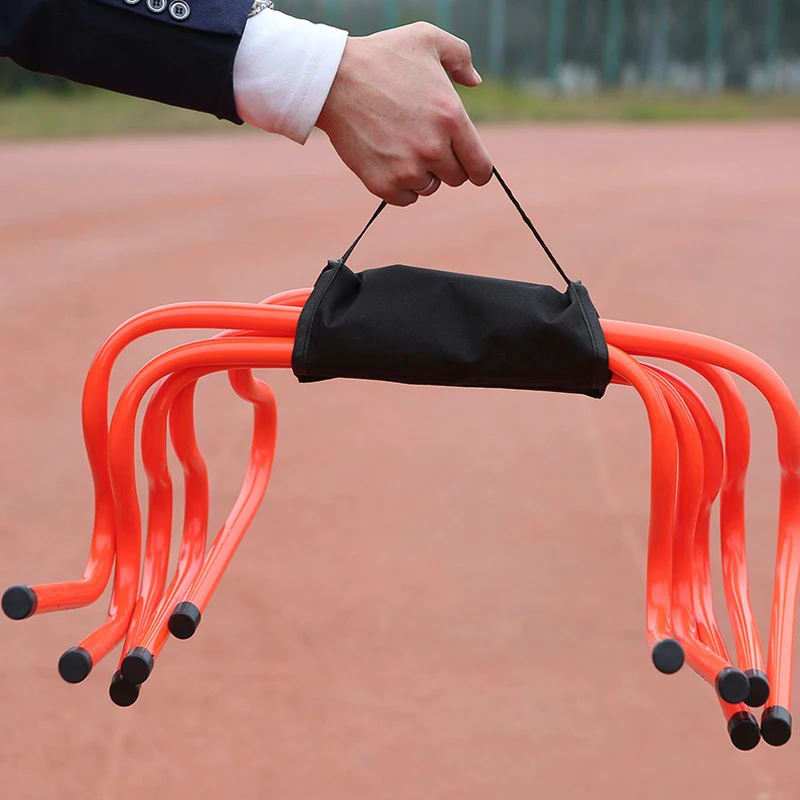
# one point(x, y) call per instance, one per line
point(421, 326)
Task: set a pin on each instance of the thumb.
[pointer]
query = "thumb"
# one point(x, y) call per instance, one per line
point(456, 58)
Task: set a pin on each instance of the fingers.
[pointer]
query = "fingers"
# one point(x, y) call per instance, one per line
point(472, 154)
point(395, 140)
point(431, 188)
point(464, 158)
point(456, 58)
point(448, 169)
point(396, 194)
point(425, 186)
point(458, 154)
point(399, 197)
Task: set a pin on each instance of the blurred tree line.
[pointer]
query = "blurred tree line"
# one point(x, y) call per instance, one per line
point(689, 45)
point(14, 80)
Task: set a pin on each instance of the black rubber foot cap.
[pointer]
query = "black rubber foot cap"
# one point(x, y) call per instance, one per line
point(759, 688)
point(668, 656)
point(732, 685)
point(184, 620)
point(19, 602)
point(743, 730)
point(122, 692)
point(776, 726)
point(137, 665)
point(74, 665)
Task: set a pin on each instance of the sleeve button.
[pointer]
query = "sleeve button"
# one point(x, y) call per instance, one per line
point(179, 10)
point(157, 6)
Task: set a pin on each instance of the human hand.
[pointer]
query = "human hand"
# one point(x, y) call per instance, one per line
point(396, 120)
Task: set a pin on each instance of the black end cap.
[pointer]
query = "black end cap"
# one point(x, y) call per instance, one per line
point(74, 665)
point(137, 665)
point(759, 688)
point(776, 726)
point(732, 685)
point(19, 602)
point(122, 692)
point(743, 730)
point(668, 656)
point(184, 620)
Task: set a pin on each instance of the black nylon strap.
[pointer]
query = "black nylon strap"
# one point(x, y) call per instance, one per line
point(361, 235)
point(516, 203)
point(528, 222)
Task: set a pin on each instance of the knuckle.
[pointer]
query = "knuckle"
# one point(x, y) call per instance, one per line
point(425, 30)
point(388, 191)
point(376, 186)
point(406, 176)
point(460, 51)
point(466, 50)
point(431, 151)
point(449, 114)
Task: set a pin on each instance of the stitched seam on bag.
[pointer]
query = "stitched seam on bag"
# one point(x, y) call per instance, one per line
point(412, 380)
point(311, 327)
point(596, 366)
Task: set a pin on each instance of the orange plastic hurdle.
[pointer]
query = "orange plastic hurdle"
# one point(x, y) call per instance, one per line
point(244, 353)
point(668, 654)
point(143, 645)
point(691, 468)
point(24, 601)
point(177, 401)
point(749, 651)
point(776, 721)
point(743, 728)
point(204, 574)
point(731, 684)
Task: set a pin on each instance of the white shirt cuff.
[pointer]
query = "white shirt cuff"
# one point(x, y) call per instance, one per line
point(283, 72)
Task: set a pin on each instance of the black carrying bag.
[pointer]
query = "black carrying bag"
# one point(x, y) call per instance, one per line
point(428, 327)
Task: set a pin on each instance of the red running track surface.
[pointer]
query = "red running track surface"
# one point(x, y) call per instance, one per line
point(443, 593)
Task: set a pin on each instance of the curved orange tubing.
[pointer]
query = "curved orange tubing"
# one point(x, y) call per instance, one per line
point(667, 653)
point(654, 341)
point(136, 667)
point(732, 525)
point(688, 468)
point(255, 485)
point(173, 400)
point(250, 316)
point(245, 353)
point(151, 635)
point(750, 654)
point(742, 726)
point(731, 684)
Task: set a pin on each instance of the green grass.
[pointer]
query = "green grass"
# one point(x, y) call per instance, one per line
point(494, 102)
point(97, 113)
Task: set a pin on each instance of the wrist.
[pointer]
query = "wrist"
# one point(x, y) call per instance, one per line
point(355, 75)
point(283, 72)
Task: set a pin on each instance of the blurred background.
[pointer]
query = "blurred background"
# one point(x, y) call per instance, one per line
point(589, 45)
point(442, 595)
point(545, 59)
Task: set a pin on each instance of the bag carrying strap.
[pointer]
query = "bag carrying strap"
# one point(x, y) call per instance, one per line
point(516, 203)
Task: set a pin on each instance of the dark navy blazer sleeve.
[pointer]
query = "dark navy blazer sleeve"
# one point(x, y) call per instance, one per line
point(178, 52)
